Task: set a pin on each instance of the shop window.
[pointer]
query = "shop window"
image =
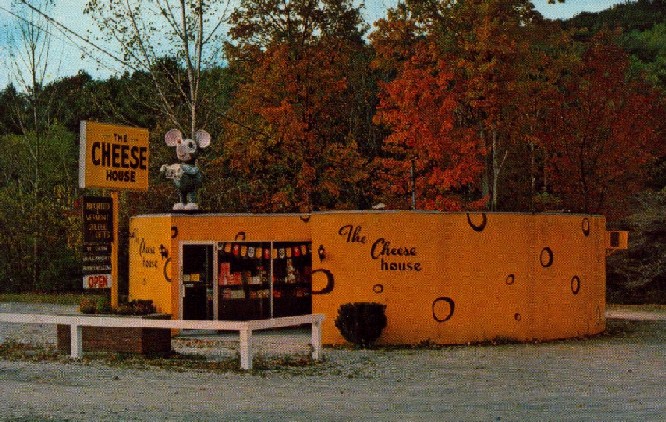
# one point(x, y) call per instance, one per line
point(259, 280)
point(292, 279)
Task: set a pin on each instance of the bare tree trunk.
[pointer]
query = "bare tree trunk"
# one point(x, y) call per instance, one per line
point(532, 176)
point(496, 169)
point(35, 38)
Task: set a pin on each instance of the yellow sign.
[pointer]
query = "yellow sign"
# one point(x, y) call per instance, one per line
point(113, 157)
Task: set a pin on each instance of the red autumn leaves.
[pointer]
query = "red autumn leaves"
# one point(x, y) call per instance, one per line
point(484, 102)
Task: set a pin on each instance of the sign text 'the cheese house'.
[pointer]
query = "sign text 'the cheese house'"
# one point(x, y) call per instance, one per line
point(113, 157)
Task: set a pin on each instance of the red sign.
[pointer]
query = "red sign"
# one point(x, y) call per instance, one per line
point(97, 281)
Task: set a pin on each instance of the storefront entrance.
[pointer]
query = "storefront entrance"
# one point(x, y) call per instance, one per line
point(197, 282)
point(246, 280)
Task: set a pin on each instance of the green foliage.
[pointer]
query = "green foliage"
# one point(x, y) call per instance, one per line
point(631, 15)
point(638, 275)
point(54, 298)
point(103, 305)
point(12, 106)
point(37, 193)
point(648, 50)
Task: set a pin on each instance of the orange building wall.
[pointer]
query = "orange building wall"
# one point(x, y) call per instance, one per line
point(471, 285)
point(151, 270)
point(462, 278)
point(174, 229)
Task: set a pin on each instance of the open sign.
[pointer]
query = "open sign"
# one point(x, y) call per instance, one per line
point(97, 281)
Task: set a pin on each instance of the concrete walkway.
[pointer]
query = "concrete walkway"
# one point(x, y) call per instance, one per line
point(636, 315)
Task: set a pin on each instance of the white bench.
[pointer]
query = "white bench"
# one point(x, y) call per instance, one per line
point(244, 328)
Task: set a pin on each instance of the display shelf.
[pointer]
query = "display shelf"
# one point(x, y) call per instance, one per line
point(245, 270)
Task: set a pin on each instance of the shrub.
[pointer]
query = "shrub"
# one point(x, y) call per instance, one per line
point(136, 307)
point(361, 323)
point(88, 305)
point(101, 305)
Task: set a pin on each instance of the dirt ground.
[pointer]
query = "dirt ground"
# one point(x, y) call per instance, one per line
point(616, 376)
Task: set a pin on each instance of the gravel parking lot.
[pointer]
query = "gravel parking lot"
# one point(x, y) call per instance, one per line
point(616, 376)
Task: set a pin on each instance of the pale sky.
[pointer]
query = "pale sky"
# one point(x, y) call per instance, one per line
point(65, 59)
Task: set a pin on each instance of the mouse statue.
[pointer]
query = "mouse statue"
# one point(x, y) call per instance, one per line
point(185, 175)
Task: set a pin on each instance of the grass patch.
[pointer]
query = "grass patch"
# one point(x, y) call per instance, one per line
point(297, 365)
point(173, 362)
point(261, 365)
point(644, 332)
point(13, 350)
point(50, 298)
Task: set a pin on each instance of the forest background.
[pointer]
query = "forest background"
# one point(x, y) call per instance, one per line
point(488, 104)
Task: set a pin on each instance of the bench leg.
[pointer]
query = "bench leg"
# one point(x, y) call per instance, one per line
point(316, 340)
point(76, 341)
point(246, 349)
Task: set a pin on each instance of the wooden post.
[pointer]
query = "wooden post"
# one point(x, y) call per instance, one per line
point(76, 341)
point(316, 339)
point(246, 348)
point(114, 252)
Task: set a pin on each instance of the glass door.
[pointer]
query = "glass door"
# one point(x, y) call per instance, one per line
point(197, 281)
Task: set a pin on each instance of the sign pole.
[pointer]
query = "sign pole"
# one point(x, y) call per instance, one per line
point(114, 251)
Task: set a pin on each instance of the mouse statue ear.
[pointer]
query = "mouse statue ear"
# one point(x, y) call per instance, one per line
point(173, 137)
point(202, 137)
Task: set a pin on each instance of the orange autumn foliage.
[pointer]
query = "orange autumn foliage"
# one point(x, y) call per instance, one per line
point(298, 146)
point(419, 107)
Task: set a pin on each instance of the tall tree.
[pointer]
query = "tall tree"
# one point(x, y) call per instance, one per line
point(148, 31)
point(30, 60)
point(295, 141)
point(484, 43)
point(419, 107)
point(488, 41)
point(604, 133)
point(533, 94)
